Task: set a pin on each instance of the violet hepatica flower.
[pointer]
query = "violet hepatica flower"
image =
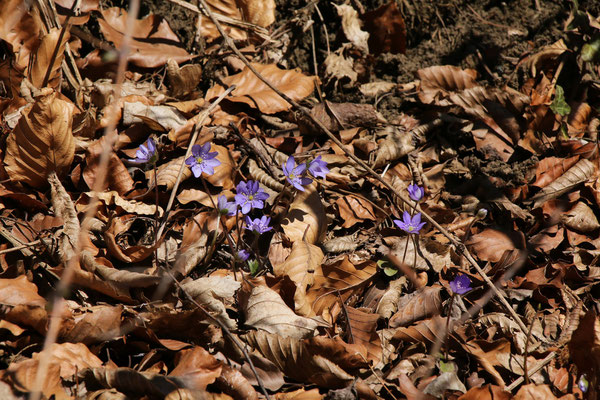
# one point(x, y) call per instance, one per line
point(583, 383)
point(146, 153)
point(202, 160)
point(410, 224)
point(226, 207)
point(258, 225)
point(461, 284)
point(293, 174)
point(250, 195)
point(318, 168)
point(242, 255)
point(415, 192)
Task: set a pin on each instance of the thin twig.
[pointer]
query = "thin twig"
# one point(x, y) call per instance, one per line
point(459, 246)
point(535, 369)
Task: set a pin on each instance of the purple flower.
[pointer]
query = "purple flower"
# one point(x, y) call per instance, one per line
point(583, 383)
point(410, 224)
point(258, 225)
point(226, 207)
point(242, 255)
point(318, 168)
point(146, 153)
point(292, 174)
point(202, 160)
point(250, 195)
point(461, 284)
point(415, 192)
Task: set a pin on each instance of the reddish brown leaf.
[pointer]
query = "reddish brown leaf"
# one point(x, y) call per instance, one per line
point(354, 209)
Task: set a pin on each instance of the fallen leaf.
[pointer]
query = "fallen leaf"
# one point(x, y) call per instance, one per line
point(351, 24)
point(306, 219)
point(42, 142)
point(387, 31)
point(354, 209)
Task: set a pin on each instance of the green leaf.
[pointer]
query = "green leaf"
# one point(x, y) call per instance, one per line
point(253, 265)
point(446, 366)
point(559, 105)
point(390, 271)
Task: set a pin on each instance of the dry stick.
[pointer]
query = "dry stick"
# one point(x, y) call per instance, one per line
point(535, 369)
point(525, 375)
point(63, 30)
point(460, 247)
point(65, 281)
point(21, 247)
point(196, 131)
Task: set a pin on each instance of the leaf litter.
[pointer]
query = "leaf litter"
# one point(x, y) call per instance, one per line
point(378, 165)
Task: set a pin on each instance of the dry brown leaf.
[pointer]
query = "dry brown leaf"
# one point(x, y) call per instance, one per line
point(196, 368)
point(437, 81)
point(550, 168)
point(319, 360)
point(252, 91)
point(388, 303)
point(354, 209)
point(490, 244)
point(266, 310)
point(121, 249)
point(257, 174)
point(130, 206)
point(95, 324)
point(577, 174)
point(300, 394)
point(160, 118)
point(65, 360)
point(397, 143)
point(581, 218)
point(153, 44)
point(509, 328)
point(233, 382)
point(210, 292)
point(258, 12)
point(117, 177)
point(63, 8)
point(19, 291)
point(65, 210)
point(43, 57)
point(339, 116)
point(183, 80)
point(167, 173)
point(42, 142)
point(351, 24)
point(387, 31)
point(486, 392)
point(427, 331)
point(226, 8)
point(547, 239)
point(584, 346)
point(223, 176)
point(306, 219)
point(546, 57)
point(334, 281)
point(362, 329)
point(423, 303)
point(340, 68)
point(193, 246)
point(535, 392)
point(127, 380)
point(20, 29)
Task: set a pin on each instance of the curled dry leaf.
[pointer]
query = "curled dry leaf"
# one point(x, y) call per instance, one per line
point(65, 209)
point(427, 331)
point(423, 303)
point(183, 80)
point(341, 244)
point(354, 209)
point(166, 174)
point(95, 324)
point(153, 43)
point(117, 177)
point(581, 218)
point(193, 246)
point(226, 8)
point(388, 304)
point(339, 116)
point(127, 380)
point(257, 174)
point(300, 266)
point(232, 382)
point(351, 24)
point(338, 67)
point(21, 30)
point(374, 89)
point(252, 91)
point(223, 176)
point(42, 142)
point(210, 292)
point(258, 12)
point(130, 206)
point(266, 310)
point(120, 249)
point(43, 58)
point(577, 174)
point(306, 219)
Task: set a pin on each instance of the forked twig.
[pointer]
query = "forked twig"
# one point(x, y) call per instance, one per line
point(459, 246)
